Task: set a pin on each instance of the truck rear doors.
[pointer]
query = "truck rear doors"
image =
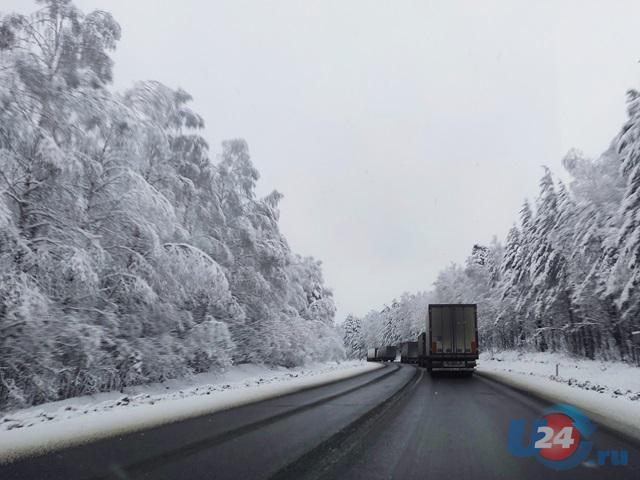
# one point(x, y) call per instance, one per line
point(452, 338)
point(452, 329)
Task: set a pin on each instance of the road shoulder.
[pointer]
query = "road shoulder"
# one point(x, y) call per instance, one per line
point(97, 424)
point(617, 414)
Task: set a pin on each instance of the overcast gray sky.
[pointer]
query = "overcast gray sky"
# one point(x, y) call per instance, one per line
point(400, 132)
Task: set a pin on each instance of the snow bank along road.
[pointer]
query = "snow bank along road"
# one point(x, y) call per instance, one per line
point(394, 422)
point(74, 421)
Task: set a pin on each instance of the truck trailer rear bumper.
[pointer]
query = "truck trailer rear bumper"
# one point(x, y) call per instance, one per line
point(452, 365)
point(452, 369)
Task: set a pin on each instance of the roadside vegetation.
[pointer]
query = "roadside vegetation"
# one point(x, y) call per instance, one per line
point(129, 252)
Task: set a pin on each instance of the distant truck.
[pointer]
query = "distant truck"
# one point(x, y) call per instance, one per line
point(409, 352)
point(450, 342)
point(371, 354)
point(386, 354)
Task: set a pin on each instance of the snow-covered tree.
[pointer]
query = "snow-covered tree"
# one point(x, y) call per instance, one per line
point(128, 255)
point(353, 337)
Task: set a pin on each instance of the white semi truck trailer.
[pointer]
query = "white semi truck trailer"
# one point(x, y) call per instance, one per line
point(450, 342)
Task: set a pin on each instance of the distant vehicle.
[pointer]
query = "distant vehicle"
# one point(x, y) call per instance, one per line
point(450, 342)
point(409, 352)
point(386, 354)
point(371, 354)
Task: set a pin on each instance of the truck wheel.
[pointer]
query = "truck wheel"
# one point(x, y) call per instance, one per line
point(429, 367)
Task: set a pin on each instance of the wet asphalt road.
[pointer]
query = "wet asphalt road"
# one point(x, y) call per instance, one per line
point(396, 422)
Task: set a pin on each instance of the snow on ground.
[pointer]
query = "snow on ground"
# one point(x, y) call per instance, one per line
point(79, 420)
point(608, 392)
point(617, 379)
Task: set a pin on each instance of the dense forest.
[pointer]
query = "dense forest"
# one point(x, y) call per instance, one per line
point(127, 254)
point(566, 278)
